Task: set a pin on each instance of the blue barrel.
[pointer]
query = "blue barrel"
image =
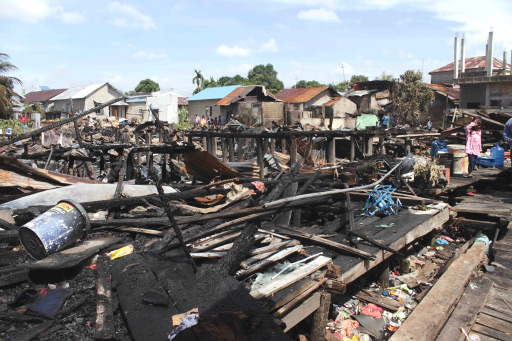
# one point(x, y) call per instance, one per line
point(498, 154)
point(55, 229)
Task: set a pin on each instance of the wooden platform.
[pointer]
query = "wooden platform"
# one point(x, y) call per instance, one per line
point(409, 225)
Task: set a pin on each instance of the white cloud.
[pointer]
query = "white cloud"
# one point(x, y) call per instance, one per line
point(149, 55)
point(72, 18)
point(269, 46)
point(319, 14)
point(235, 51)
point(129, 16)
point(33, 11)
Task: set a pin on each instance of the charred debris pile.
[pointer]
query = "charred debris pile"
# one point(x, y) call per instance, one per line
point(138, 232)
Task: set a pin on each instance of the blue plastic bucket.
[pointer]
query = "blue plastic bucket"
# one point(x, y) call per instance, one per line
point(55, 229)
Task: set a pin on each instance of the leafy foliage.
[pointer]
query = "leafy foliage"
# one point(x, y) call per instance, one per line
point(147, 86)
point(31, 108)
point(15, 125)
point(411, 97)
point(384, 77)
point(267, 76)
point(358, 79)
point(235, 80)
point(184, 121)
point(307, 84)
point(7, 86)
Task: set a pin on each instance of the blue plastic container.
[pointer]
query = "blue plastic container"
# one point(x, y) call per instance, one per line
point(499, 155)
point(484, 161)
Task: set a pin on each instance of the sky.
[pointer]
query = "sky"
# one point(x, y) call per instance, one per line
point(69, 43)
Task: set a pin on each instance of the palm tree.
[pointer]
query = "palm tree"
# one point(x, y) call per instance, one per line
point(6, 85)
point(198, 79)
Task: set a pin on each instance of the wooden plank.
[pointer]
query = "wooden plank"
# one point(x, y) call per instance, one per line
point(419, 231)
point(104, 329)
point(282, 245)
point(430, 315)
point(465, 313)
point(505, 316)
point(325, 242)
point(299, 314)
point(270, 260)
point(288, 298)
point(288, 306)
point(384, 302)
point(320, 318)
point(495, 323)
point(494, 334)
point(251, 260)
point(288, 279)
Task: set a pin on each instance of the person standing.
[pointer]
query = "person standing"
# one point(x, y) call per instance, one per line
point(24, 120)
point(507, 133)
point(429, 124)
point(385, 121)
point(473, 143)
point(197, 120)
point(203, 121)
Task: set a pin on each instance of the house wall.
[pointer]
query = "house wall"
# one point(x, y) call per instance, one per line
point(64, 105)
point(319, 99)
point(441, 77)
point(132, 114)
point(101, 95)
point(199, 108)
point(501, 94)
point(294, 112)
point(436, 111)
point(343, 106)
point(167, 105)
point(472, 93)
point(273, 111)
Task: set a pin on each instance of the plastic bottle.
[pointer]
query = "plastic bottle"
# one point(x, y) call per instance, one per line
point(499, 155)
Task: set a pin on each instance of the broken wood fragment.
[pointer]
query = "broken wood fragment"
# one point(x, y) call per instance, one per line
point(104, 329)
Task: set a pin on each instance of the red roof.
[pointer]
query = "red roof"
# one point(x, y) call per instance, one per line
point(300, 95)
point(182, 101)
point(453, 93)
point(472, 63)
point(41, 96)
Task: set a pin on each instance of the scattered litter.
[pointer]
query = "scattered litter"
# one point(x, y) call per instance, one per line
point(121, 252)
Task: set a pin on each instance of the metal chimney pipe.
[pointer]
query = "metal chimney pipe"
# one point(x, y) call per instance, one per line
point(463, 54)
point(490, 60)
point(456, 58)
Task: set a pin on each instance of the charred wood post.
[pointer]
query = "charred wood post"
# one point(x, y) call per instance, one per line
point(382, 147)
point(231, 143)
point(224, 147)
point(49, 159)
point(407, 146)
point(265, 145)
point(170, 215)
point(369, 145)
point(242, 246)
point(272, 145)
point(286, 180)
point(352, 148)
point(331, 150)
point(320, 317)
point(259, 151)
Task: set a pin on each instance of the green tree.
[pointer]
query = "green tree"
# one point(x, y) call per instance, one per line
point(384, 77)
point(307, 84)
point(411, 96)
point(358, 79)
point(147, 86)
point(235, 80)
point(198, 80)
point(7, 86)
point(267, 76)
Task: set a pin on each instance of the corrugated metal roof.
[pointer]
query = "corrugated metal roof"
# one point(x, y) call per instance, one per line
point(136, 100)
point(78, 92)
point(453, 93)
point(472, 63)
point(300, 95)
point(235, 95)
point(213, 93)
point(182, 101)
point(360, 93)
point(332, 101)
point(41, 96)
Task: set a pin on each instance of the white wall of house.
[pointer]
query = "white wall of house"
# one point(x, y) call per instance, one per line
point(167, 104)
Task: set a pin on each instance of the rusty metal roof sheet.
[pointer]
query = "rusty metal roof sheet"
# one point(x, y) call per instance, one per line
point(472, 63)
point(452, 93)
point(242, 92)
point(235, 95)
point(182, 101)
point(332, 101)
point(41, 96)
point(300, 95)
